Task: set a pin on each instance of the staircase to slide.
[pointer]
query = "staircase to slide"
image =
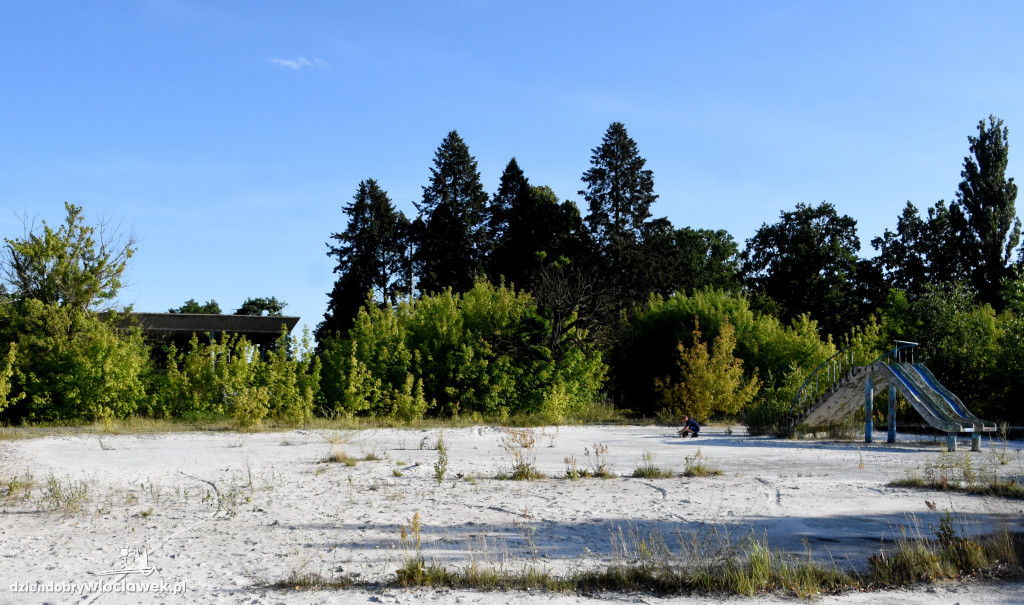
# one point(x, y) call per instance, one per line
point(837, 388)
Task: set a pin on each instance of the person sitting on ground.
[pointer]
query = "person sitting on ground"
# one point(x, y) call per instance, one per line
point(690, 427)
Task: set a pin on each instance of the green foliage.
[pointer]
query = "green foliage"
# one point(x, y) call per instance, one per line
point(688, 260)
point(262, 306)
point(709, 382)
point(1009, 379)
point(441, 466)
point(210, 307)
point(987, 198)
point(230, 376)
point(972, 239)
point(697, 466)
point(484, 352)
point(807, 263)
point(646, 470)
point(291, 375)
point(72, 364)
point(77, 265)
point(962, 345)
point(770, 415)
point(649, 347)
point(529, 228)
point(6, 371)
point(249, 406)
point(371, 372)
point(619, 191)
point(370, 255)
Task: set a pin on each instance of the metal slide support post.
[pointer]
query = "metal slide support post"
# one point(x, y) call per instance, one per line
point(892, 414)
point(975, 442)
point(869, 396)
point(950, 442)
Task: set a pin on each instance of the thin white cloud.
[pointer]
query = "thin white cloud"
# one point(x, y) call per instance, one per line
point(299, 63)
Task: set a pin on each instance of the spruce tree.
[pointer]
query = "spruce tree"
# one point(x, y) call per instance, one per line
point(529, 229)
point(369, 257)
point(619, 193)
point(453, 242)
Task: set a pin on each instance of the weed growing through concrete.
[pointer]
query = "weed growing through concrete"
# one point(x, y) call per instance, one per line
point(572, 471)
point(20, 486)
point(952, 554)
point(338, 455)
point(519, 445)
point(550, 434)
point(337, 437)
point(441, 466)
point(953, 472)
point(707, 559)
point(696, 466)
point(413, 570)
point(649, 470)
point(64, 496)
point(998, 452)
point(597, 460)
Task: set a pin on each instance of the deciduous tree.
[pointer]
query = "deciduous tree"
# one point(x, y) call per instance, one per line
point(262, 306)
point(191, 306)
point(987, 198)
point(77, 265)
point(807, 263)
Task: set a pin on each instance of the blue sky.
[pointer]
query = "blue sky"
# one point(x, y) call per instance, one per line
point(228, 135)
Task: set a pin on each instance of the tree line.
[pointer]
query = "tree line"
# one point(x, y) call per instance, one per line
point(518, 303)
point(603, 268)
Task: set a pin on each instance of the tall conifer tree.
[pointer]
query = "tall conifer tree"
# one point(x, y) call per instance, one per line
point(619, 193)
point(452, 241)
point(529, 228)
point(369, 256)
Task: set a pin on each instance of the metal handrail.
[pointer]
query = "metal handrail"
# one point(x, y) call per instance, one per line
point(901, 345)
point(835, 366)
point(835, 372)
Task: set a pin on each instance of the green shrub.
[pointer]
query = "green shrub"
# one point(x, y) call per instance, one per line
point(249, 406)
point(648, 349)
point(708, 382)
point(72, 364)
point(484, 352)
point(230, 376)
point(291, 375)
point(6, 371)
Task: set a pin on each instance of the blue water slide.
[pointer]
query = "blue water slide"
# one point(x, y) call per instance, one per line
point(950, 399)
point(935, 413)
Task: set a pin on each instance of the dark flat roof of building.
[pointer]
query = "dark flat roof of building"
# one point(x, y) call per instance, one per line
point(164, 325)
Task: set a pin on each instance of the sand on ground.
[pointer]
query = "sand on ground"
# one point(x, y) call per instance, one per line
point(216, 517)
